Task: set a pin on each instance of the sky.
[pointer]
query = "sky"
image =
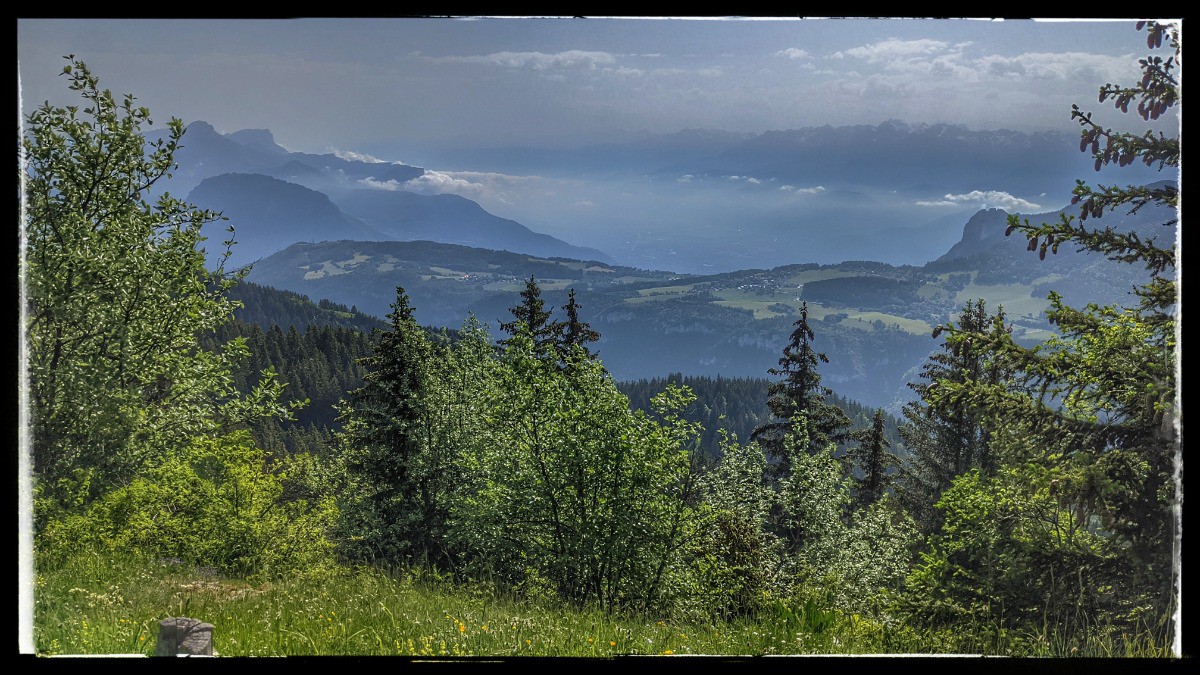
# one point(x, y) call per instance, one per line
point(464, 98)
point(353, 84)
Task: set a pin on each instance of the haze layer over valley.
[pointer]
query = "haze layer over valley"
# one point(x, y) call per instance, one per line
point(702, 201)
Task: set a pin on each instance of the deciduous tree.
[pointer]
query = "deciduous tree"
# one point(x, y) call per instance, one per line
point(116, 293)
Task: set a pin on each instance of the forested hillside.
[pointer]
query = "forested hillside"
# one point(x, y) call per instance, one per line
point(737, 405)
point(268, 307)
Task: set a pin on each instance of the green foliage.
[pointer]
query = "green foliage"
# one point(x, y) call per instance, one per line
point(735, 558)
point(800, 395)
point(873, 461)
point(319, 364)
point(947, 438)
point(116, 294)
point(218, 503)
point(1013, 556)
point(384, 450)
point(268, 307)
point(573, 332)
point(531, 319)
point(849, 559)
point(1072, 533)
point(571, 492)
point(738, 405)
point(815, 499)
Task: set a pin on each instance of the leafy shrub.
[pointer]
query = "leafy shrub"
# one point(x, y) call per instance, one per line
point(217, 503)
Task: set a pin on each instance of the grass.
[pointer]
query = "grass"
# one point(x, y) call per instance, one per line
point(666, 290)
point(106, 604)
point(760, 308)
point(866, 320)
point(95, 604)
point(1017, 299)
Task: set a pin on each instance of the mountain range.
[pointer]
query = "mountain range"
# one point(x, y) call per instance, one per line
point(273, 198)
point(874, 320)
point(344, 229)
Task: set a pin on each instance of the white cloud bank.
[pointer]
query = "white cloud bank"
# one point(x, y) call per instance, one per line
point(748, 179)
point(892, 48)
point(803, 191)
point(937, 57)
point(476, 185)
point(352, 156)
point(573, 58)
point(793, 53)
point(986, 199)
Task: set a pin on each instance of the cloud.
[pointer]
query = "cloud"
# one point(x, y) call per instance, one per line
point(389, 185)
point(573, 58)
point(440, 182)
point(925, 57)
point(685, 178)
point(1058, 66)
point(626, 71)
point(803, 191)
point(352, 156)
point(893, 48)
point(986, 199)
point(793, 53)
point(477, 185)
point(748, 179)
point(586, 202)
point(936, 57)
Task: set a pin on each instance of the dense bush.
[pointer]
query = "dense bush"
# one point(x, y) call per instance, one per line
point(217, 503)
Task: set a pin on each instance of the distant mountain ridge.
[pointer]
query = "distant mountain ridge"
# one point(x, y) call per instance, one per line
point(275, 198)
point(873, 319)
point(981, 232)
point(925, 159)
point(265, 211)
point(984, 231)
point(451, 219)
point(1080, 277)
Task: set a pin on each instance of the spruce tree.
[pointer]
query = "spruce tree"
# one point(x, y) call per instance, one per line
point(573, 332)
point(873, 458)
point(799, 394)
point(945, 439)
point(381, 440)
point(532, 319)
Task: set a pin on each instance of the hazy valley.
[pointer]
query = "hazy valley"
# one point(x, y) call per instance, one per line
point(348, 230)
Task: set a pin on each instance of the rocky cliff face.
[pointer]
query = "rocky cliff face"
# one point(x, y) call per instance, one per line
point(981, 232)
